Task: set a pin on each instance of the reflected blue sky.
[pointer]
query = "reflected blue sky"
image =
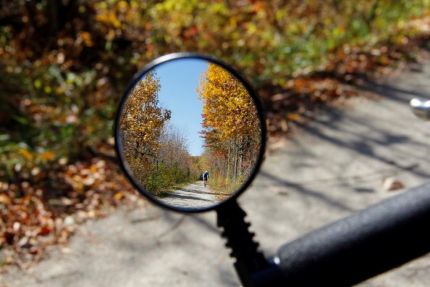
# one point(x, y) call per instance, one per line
point(179, 80)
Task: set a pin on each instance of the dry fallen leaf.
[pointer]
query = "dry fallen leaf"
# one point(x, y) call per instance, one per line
point(5, 199)
point(392, 184)
point(118, 196)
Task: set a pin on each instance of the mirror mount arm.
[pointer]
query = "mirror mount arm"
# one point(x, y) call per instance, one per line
point(252, 267)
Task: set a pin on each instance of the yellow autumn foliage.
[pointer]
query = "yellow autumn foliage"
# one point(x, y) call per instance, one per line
point(231, 127)
point(141, 124)
point(228, 108)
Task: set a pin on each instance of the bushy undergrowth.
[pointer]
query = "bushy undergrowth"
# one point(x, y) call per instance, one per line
point(164, 177)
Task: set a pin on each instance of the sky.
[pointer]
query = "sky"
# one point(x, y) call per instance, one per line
point(179, 80)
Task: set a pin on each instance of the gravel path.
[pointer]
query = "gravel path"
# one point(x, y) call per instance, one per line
point(327, 169)
point(193, 195)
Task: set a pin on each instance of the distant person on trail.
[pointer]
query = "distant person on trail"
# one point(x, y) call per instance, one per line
point(205, 178)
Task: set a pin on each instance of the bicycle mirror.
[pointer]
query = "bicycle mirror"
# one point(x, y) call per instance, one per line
point(190, 132)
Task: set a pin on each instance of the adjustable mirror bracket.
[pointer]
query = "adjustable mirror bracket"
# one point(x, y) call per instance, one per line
point(252, 267)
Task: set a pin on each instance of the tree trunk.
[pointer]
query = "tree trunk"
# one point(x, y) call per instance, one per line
point(228, 162)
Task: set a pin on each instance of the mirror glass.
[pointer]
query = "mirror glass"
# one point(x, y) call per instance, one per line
point(189, 133)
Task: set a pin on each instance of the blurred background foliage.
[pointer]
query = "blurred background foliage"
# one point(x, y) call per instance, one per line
point(64, 64)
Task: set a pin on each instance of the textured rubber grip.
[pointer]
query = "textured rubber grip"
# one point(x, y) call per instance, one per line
point(358, 247)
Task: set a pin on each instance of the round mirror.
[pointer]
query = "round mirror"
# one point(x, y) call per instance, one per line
point(189, 132)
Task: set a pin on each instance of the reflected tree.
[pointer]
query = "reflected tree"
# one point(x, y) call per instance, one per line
point(142, 124)
point(231, 128)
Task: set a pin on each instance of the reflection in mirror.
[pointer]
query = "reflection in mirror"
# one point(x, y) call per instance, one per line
point(190, 133)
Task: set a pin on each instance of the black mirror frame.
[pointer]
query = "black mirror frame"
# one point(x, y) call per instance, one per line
point(118, 144)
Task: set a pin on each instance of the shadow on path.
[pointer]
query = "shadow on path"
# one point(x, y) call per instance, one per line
point(364, 149)
point(187, 197)
point(202, 192)
point(307, 192)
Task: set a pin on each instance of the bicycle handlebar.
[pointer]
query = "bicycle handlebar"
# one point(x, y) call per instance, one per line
point(370, 242)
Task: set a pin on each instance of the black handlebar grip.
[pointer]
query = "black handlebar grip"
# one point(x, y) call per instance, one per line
point(370, 242)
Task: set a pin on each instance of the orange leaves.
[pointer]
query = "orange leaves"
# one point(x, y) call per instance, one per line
point(83, 177)
point(117, 16)
point(86, 38)
point(231, 127)
point(228, 109)
point(294, 117)
point(141, 115)
point(108, 17)
point(26, 154)
point(47, 155)
point(302, 96)
point(118, 196)
point(5, 199)
point(31, 161)
point(142, 123)
point(34, 216)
